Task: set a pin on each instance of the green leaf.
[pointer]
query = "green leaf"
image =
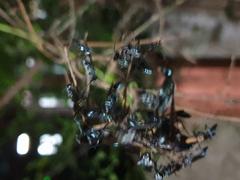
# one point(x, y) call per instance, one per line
point(14, 31)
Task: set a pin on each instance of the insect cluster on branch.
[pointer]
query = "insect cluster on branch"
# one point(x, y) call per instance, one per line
point(149, 124)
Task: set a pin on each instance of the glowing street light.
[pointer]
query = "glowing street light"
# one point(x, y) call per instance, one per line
point(23, 144)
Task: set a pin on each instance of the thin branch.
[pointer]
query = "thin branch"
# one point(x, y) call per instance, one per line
point(69, 66)
point(188, 57)
point(6, 17)
point(210, 115)
point(12, 16)
point(36, 39)
point(233, 61)
point(141, 28)
point(102, 58)
point(21, 83)
point(76, 72)
point(127, 16)
point(25, 17)
point(101, 84)
point(107, 44)
point(158, 4)
point(59, 26)
point(151, 21)
point(72, 15)
point(208, 98)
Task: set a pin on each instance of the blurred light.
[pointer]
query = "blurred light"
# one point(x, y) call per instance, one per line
point(41, 14)
point(37, 11)
point(48, 102)
point(70, 103)
point(47, 178)
point(27, 99)
point(23, 143)
point(48, 144)
point(30, 62)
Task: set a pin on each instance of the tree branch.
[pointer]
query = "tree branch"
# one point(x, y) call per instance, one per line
point(21, 83)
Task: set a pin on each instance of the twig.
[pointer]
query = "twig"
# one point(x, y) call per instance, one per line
point(102, 58)
point(232, 64)
point(141, 28)
point(210, 116)
point(161, 16)
point(69, 66)
point(188, 57)
point(37, 40)
point(126, 18)
point(21, 83)
point(151, 21)
point(101, 84)
point(76, 72)
point(34, 37)
point(59, 29)
point(25, 17)
point(12, 16)
point(103, 125)
point(106, 44)
point(7, 18)
point(72, 15)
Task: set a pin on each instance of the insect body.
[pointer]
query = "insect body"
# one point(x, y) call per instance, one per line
point(166, 91)
point(152, 125)
point(200, 136)
point(146, 161)
point(149, 100)
point(86, 60)
point(94, 136)
point(175, 166)
point(72, 93)
point(89, 69)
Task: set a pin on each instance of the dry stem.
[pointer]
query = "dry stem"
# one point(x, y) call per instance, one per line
point(69, 66)
point(19, 84)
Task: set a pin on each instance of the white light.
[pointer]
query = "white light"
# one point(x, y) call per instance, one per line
point(70, 103)
point(30, 62)
point(48, 144)
point(23, 143)
point(41, 14)
point(48, 102)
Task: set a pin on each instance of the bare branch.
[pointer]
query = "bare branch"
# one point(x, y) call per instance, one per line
point(72, 15)
point(210, 115)
point(25, 16)
point(21, 83)
point(69, 66)
point(6, 17)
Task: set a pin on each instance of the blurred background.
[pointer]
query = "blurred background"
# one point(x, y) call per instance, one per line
point(200, 40)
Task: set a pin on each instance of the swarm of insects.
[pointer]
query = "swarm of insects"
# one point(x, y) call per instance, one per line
point(150, 124)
